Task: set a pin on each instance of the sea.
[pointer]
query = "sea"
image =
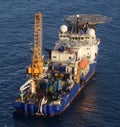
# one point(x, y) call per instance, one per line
point(98, 105)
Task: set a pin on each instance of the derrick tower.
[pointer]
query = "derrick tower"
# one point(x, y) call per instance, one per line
point(36, 68)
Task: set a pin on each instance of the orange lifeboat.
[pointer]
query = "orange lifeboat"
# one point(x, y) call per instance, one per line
point(83, 63)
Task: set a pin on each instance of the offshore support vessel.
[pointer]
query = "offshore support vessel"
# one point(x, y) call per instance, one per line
point(54, 82)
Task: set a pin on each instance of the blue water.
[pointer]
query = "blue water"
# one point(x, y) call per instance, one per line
point(99, 103)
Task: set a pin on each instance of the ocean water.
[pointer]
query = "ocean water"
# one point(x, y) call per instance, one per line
point(98, 105)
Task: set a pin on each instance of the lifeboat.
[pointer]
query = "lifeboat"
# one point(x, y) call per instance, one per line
point(83, 63)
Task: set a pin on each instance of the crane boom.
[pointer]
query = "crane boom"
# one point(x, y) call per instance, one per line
point(38, 35)
point(36, 68)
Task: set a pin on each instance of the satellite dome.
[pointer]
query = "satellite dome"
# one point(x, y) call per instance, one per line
point(91, 32)
point(63, 28)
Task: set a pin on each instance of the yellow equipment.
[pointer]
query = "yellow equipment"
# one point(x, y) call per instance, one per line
point(36, 68)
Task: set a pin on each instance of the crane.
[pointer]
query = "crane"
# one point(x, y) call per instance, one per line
point(36, 67)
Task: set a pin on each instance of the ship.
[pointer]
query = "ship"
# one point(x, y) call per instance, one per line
point(54, 82)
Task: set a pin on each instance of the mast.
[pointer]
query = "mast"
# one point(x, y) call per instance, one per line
point(36, 68)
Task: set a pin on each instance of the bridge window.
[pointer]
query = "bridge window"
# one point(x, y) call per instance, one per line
point(54, 56)
point(82, 38)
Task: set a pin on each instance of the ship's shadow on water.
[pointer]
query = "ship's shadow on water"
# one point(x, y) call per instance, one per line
point(21, 120)
point(83, 106)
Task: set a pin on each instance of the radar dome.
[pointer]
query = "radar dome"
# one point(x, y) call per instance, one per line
point(91, 32)
point(63, 28)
